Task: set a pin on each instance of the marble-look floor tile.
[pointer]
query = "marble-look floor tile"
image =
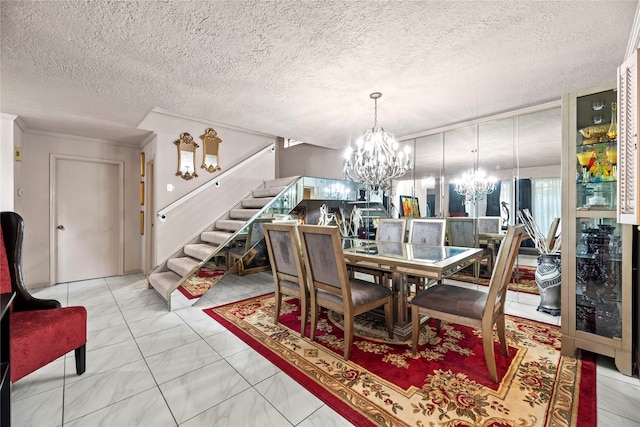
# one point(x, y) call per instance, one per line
point(102, 309)
point(607, 368)
point(252, 366)
point(39, 410)
point(138, 297)
point(50, 376)
point(95, 323)
point(178, 361)
point(57, 292)
point(91, 301)
point(100, 390)
point(206, 328)
point(619, 397)
point(234, 413)
point(126, 282)
point(197, 391)
point(155, 324)
point(145, 312)
point(145, 409)
point(104, 359)
point(325, 416)
point(193, 314)
point(108, 336)
point(289, 397)
point(609, 419)
point(226, 344)
point(167, 339)
point(530, 312)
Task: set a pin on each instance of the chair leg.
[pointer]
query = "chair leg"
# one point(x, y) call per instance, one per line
point(489, 357)
point(415, 327)
point(502, 336)
point(304, 311)
point(276, 313)
point(81, 358)
point(314, 321)
point(348, 335)
point(438, 324)
point(388, 314)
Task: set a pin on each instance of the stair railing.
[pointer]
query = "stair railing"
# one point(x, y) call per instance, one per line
point(215, 182)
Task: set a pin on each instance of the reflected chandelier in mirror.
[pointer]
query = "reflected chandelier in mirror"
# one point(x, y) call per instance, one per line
point(186, 156)
point(210, 145)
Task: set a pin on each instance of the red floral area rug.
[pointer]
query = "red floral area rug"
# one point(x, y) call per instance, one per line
point(523, 279)
point(446, 384)
point(198, 284)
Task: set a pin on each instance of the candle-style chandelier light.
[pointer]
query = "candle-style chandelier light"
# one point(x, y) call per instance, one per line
point(376, 160)
point(474, 184)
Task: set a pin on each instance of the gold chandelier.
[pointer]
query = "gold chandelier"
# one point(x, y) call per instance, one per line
point(376, 160)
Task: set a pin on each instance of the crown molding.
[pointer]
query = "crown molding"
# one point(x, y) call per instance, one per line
point(162, 111)
point(505, 115)
point(634, 38)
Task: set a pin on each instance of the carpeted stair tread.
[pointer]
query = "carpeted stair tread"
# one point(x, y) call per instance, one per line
point(255, 203)
point(182, 265)
point(163, 281)
point(244, 214)
point(230, 224)
point(217, 237)
point(280, 182)
point(199, 251)
point(267, 192)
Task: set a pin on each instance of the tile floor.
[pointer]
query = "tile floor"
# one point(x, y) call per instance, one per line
point(150, 367)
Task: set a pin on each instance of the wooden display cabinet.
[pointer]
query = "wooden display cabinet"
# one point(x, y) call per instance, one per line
point(596, 249)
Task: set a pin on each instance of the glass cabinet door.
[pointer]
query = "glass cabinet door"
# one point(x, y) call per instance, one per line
point(599, 277)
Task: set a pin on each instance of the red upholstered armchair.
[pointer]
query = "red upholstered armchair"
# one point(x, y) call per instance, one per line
point(40, 330)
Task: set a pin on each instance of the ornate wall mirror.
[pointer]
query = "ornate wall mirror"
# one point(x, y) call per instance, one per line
point(186, 156)
point(210, 144)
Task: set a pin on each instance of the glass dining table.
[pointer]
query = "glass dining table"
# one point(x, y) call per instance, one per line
point(402, 259)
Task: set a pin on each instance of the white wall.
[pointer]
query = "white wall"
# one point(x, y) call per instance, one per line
point(310, 160)
point(10, 137)
point(36, 149)
point(188, 220)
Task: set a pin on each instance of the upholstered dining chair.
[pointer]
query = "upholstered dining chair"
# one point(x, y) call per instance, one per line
point(471, 307)
point(286, 264)
point(430, 232)
point(389, 230)
point(330, 286)
point(41, 330)
point(463, 232)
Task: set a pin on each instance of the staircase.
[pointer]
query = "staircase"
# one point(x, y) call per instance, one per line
point(186, 262)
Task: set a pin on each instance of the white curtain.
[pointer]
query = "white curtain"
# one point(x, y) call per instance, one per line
point(546, 201)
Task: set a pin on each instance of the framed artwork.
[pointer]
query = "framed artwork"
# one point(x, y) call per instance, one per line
point(142, 223)
point(142, 164)
point(142, 193)
point(409, 206)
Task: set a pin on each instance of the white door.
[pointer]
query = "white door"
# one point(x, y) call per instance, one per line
point(150, 233)
point(87, 219)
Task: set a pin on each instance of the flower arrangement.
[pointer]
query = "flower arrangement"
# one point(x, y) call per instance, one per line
point(546, 245)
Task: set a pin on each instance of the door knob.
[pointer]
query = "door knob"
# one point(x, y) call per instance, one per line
point(61, 227)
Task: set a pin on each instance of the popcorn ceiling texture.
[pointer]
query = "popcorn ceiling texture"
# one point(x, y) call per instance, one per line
point(299, 69)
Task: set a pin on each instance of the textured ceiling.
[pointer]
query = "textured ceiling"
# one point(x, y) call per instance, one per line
point(302, 70)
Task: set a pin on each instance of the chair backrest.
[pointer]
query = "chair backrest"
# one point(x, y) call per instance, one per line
point(391, 230)
point(489, 224)
point(428, 231)
point(501, 274)
point(13, 234)
point(5, 276)
point(324, 260)
point(462, 232)
point(284, 252)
